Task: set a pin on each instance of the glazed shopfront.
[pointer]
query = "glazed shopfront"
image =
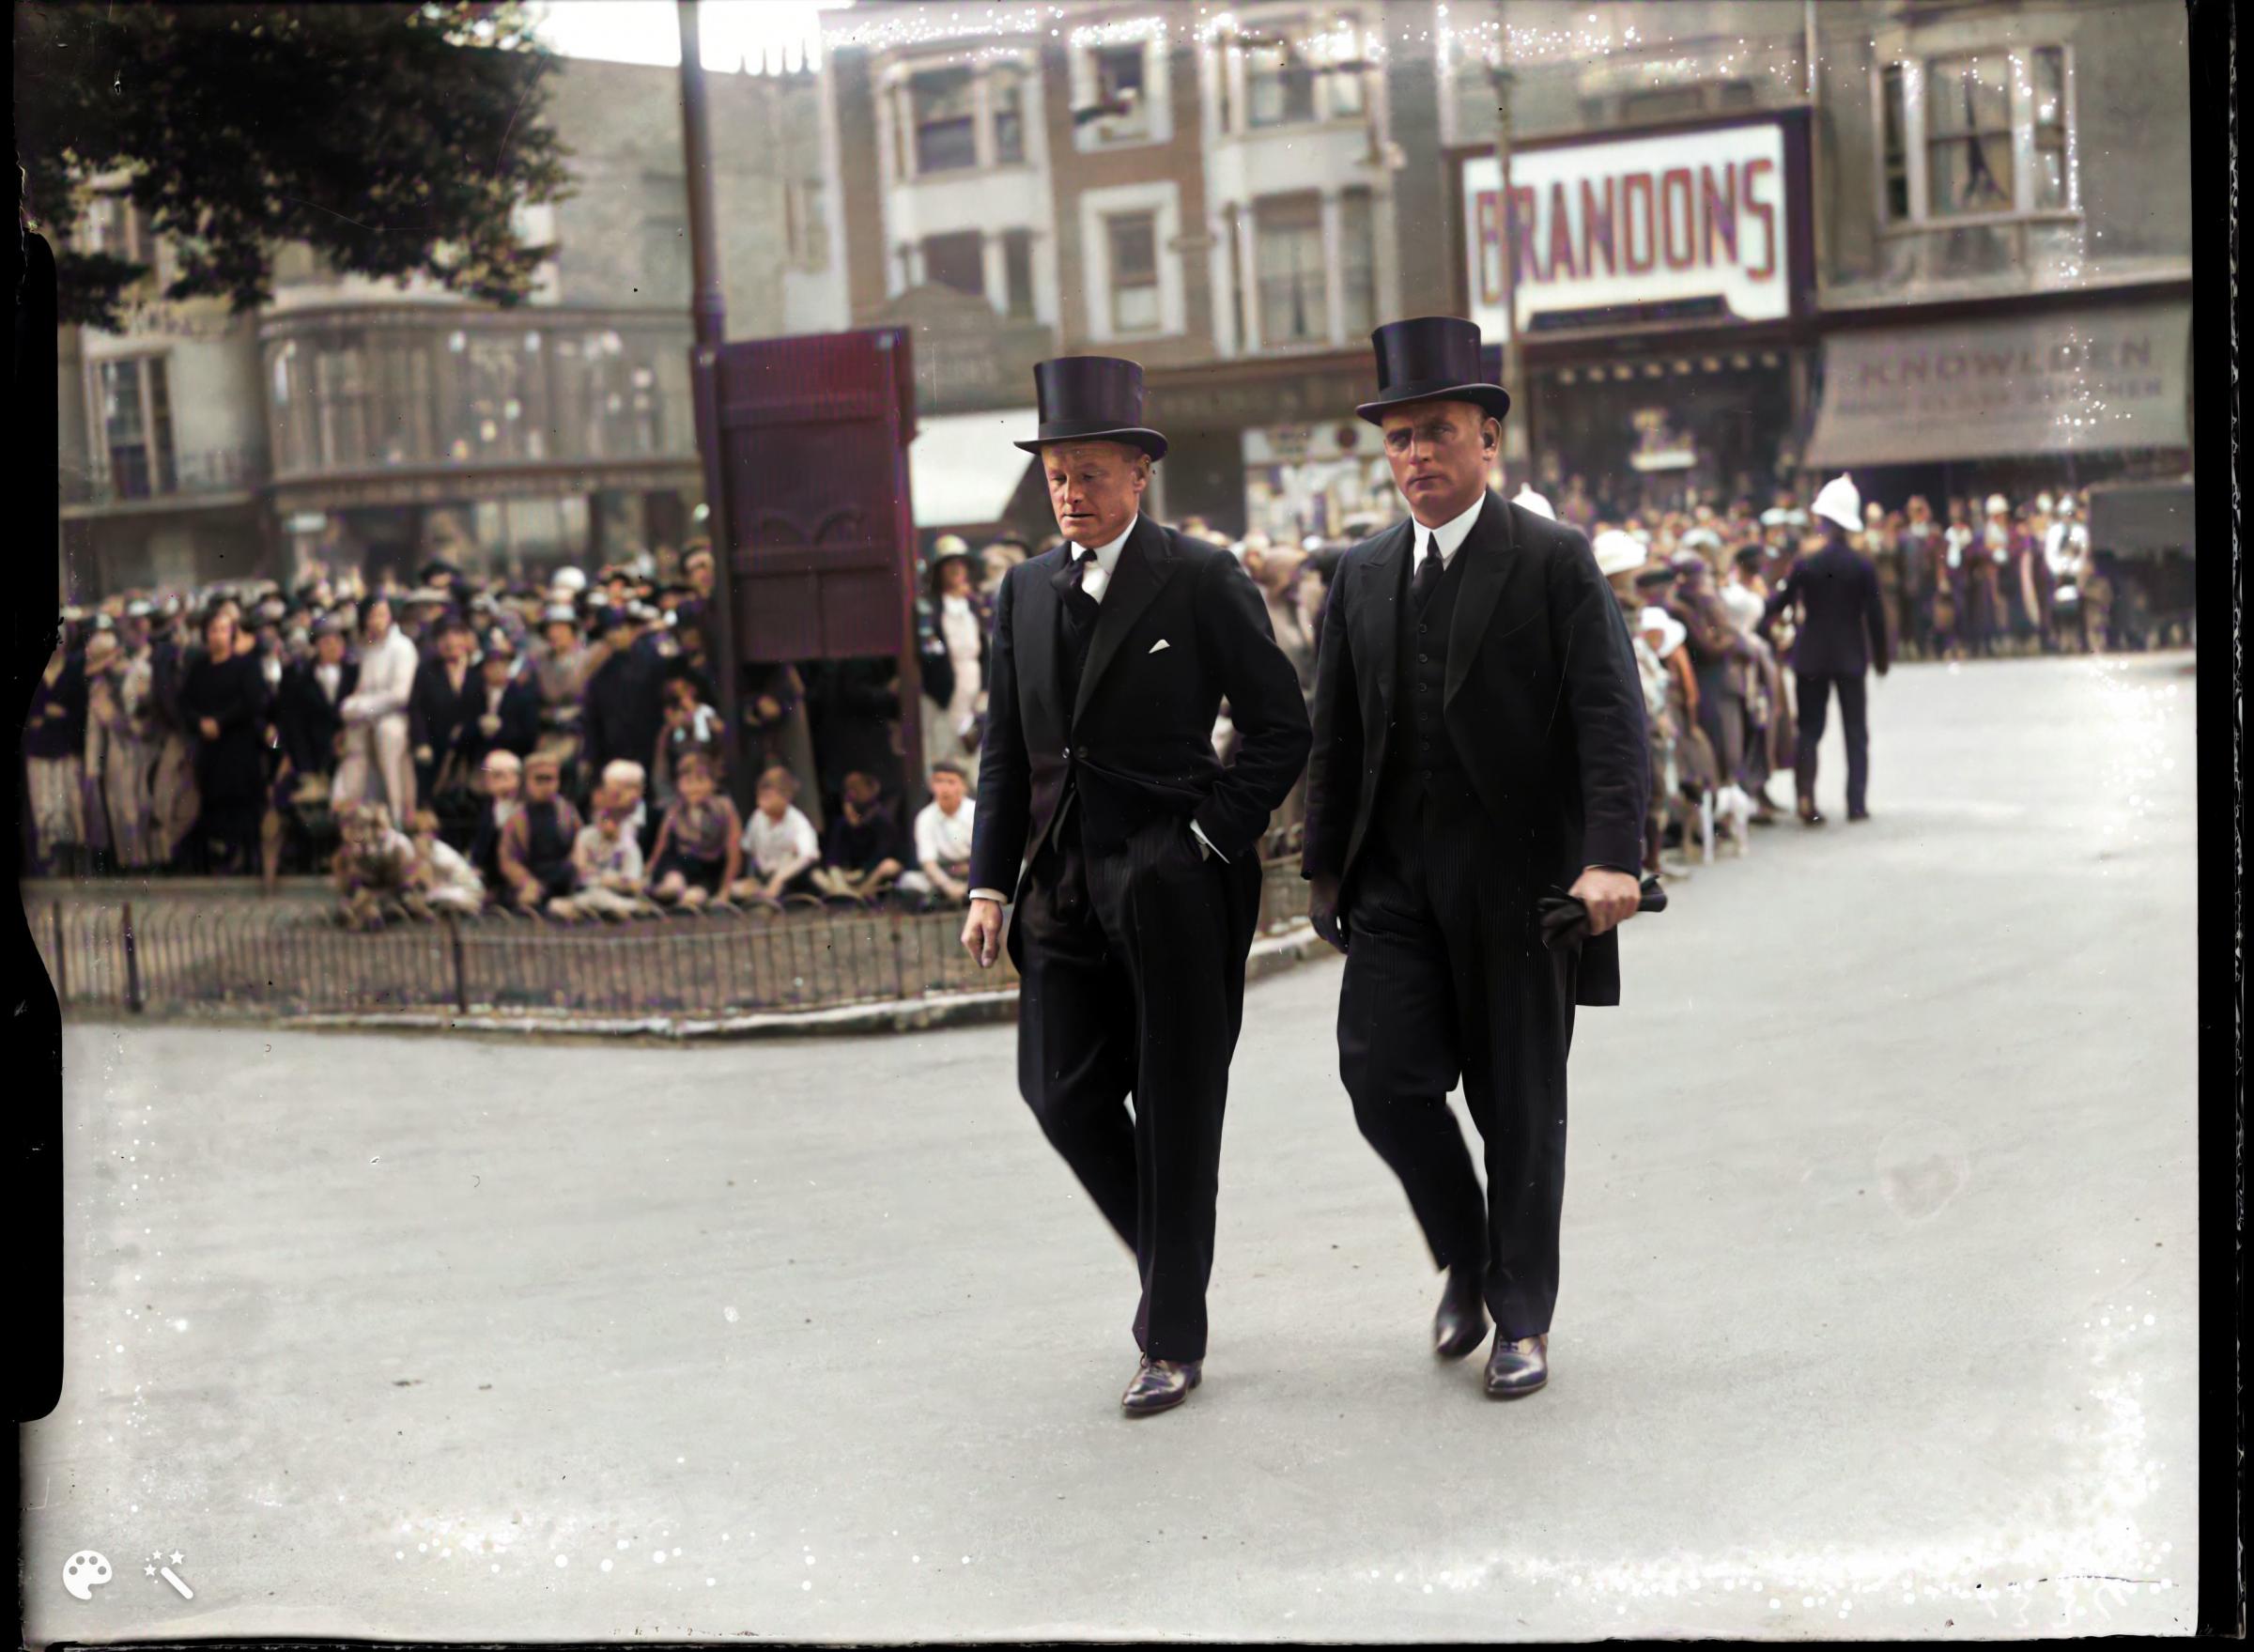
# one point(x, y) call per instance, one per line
point(508, 442)
point(1664, 302)
point(1272, 445)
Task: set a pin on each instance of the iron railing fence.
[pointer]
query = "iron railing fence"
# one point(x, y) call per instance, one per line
point(162, 953)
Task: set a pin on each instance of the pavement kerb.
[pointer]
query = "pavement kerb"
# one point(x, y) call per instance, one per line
point(1270, 955)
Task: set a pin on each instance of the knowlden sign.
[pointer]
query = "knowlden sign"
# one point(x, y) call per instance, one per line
point(2075, 383)
point(1635, 224)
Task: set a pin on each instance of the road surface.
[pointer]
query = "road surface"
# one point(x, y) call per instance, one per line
point(1879, 1314)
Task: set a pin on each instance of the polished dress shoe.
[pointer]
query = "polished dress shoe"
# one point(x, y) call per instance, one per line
point(1858, 814)
point(1808, 812)
point(1160, 1386)
point(1518, 1368)
point(1460, 1326)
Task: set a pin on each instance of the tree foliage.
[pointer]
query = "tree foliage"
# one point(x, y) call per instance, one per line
point(396, 140)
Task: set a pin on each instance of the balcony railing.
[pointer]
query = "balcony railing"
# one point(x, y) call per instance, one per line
point(197, 473)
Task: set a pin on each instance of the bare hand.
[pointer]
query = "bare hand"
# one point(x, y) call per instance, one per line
point(982, 932)
point(1610, 896)
point(210, 726)
point(769, 707)
point(1322, 911)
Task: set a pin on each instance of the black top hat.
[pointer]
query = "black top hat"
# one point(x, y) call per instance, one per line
point(1429, 357)
point(1092, 398)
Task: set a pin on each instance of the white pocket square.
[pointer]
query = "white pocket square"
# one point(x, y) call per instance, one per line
point(1162, 642)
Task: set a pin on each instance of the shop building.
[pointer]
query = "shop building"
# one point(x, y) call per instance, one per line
point(1209, 194)
point(1662, 300)
point(352, 423)
point(2007, 302)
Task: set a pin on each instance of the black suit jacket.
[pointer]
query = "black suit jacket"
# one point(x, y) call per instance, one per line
point(1843, 623)
point(519, 730)
point(1541, 699)
point(437, 712)
point(307, 720)
point(1138, 740)
point(625, 706)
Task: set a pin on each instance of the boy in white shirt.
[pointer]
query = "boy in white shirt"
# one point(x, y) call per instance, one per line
point(943, 830)
point(781, 848)
point(609, 863)
point(441, 878)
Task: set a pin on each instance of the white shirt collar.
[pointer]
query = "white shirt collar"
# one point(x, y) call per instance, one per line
point(1452, 533)
point(1107, 558)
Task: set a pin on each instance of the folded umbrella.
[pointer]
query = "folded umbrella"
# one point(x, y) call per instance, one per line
point(1565, 920)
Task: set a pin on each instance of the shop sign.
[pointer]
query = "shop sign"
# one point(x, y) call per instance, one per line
point(1199, 400)
point(2072, 382)
point(1292, 444)
point(1689, 227)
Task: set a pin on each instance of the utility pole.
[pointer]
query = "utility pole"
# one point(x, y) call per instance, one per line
point(1515, 455)
point(709, 311)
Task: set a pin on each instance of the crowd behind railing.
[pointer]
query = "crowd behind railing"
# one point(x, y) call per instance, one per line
point(551, 748)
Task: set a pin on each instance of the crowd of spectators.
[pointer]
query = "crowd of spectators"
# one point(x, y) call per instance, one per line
point(464, 744)
point(556, 749)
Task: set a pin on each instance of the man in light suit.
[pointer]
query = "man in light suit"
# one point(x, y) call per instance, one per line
point(1110, 656)
point(1479, 748)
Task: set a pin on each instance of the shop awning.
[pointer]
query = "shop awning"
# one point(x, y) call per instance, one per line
point(2070, 381)
point(962, 469)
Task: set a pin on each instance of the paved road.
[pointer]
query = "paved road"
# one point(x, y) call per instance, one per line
point(1879, 1315)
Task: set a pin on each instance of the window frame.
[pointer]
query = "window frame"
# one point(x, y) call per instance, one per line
point(968, 120)
point(957, 240)
point(1324, 107)
point(160, 439)
point(1298, 214)
point(1914, 69)
point(1118, 285)
point(1152, 122)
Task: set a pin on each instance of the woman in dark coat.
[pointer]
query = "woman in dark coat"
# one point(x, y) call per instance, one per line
point(223, 700)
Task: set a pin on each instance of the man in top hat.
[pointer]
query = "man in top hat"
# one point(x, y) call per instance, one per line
point(1841, 635)
point(1479, 746)
point(1111, 655)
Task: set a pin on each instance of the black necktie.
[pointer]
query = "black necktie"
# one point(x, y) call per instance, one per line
point(1428, 574)
point(1075, 590)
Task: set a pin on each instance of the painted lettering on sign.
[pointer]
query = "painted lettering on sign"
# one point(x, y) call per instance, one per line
point(1634, 222)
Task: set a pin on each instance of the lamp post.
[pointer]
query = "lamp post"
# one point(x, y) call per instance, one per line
point(1514, 431)
point(709, 311)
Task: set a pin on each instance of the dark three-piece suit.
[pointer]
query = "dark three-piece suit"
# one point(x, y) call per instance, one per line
point(1476, 746)
point(1129, 939)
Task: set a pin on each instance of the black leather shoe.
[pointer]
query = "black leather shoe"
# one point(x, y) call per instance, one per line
point(1518, 1368)
point(1160, 1386)
point(1809, 814)
point(1858, 814)
point(1460, 1326)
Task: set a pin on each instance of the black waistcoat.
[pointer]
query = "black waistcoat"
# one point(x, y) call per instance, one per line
point(1076, 629)
point(1420, 760)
